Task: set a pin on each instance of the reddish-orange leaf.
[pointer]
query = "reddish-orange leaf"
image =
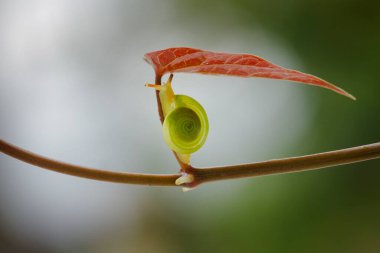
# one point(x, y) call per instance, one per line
point(191, 60)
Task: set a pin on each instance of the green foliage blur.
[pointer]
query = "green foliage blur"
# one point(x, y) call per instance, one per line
point(325, 211)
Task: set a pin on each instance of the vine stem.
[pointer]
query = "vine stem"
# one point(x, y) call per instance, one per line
point(203, 175)
point(84, 172)
point(289, 165)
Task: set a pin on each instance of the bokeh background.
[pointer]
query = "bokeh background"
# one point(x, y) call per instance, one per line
point(72, 88)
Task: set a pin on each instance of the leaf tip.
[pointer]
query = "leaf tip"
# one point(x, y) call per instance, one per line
point(344, 93)
point(351, 96)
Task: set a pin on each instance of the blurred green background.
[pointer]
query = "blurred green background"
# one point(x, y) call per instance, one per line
point(71, 88)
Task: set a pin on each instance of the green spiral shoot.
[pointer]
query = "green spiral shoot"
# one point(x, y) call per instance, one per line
point(185, 127)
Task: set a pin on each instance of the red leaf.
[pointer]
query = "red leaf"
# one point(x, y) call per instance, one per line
point(191, 60)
